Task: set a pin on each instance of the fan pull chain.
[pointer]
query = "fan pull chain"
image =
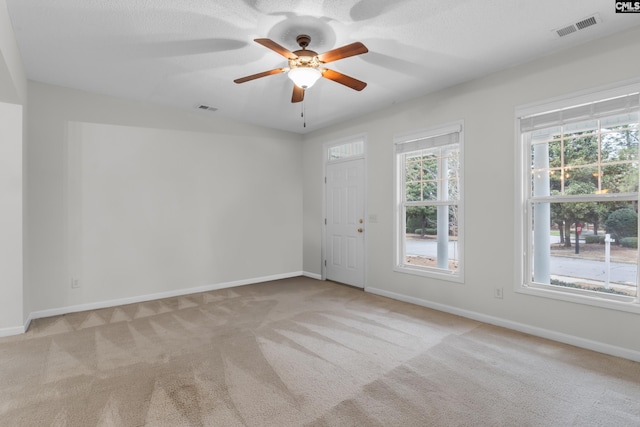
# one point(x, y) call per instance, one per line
point(303, 115)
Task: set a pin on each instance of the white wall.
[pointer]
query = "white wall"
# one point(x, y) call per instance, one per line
point(13, 82)
point(13, 85)
point(11, 276)
point(136, 200)
point(487, 107)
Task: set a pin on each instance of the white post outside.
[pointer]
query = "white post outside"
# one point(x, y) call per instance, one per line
point(541, 215)
point(443, 217)
point(607, 259)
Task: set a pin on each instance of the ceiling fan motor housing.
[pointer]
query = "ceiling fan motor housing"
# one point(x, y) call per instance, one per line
point(303, 40)
point(305, 58)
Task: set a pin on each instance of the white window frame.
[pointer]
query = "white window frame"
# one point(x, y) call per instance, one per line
point(401, 142)
point(523, 239)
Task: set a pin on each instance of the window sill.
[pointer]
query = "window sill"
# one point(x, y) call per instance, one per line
point(630, 305)
point(434, 273)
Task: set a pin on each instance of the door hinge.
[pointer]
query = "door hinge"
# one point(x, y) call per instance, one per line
point(325, 221)
point(325, 262)
point(325, 179)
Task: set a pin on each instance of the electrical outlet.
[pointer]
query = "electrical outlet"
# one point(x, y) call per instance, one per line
point(75, 283)
point(497, 293)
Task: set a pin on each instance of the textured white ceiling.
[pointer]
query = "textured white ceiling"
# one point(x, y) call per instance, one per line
point(184, 53)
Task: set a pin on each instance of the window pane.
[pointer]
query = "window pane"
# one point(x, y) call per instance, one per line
point(412, 170)
point(436, 171)
point(555, 157)
point(620, 145)
point(559, 260)
point(430, 174)
point(430, 190)
point(581, 150)
point(591, 157)
point(430, 166)
point(351, 149)
point(547, 175)
point(413, 192)
point(454, 191)
point(581, 180)
point(453, 172)
point(429, 242)
point(556, 181)
point(620, 178)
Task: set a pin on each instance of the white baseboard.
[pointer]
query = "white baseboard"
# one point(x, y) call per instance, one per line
point(540, 332)
point(312, 275)
point(521, 327)
point(27, 323)
point(16, 330)
point(155, 296)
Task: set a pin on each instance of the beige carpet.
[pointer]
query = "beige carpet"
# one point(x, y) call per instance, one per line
point(301, 352)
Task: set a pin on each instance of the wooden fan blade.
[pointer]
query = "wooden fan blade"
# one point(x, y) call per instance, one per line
point(352, 49)
point(263, 74)
point(298, 94)
point(270, 44)
point(343, 79)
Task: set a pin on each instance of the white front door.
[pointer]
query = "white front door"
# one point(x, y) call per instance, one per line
point(345, 228)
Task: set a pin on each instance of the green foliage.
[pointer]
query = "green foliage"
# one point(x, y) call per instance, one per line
point(620, 144)
point(578, 286)
point(421, 173)
point(577, 155)
point(424, 169)
point(622, 223)
point(629, 242)
point(570, 213)
point(427, 231)
point(420, 218)
point(413, 223)
point(580, 165)
point(590, 238)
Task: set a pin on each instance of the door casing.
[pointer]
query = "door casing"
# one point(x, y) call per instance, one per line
point(363, 213)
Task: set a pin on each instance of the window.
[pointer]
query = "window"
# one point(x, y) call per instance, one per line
point(580, 198)
point(346, 150)
point(429, 203)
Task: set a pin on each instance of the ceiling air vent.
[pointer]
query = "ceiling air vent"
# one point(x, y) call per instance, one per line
point(566, 31)
point(586, 23)
point(580, 25)
point(206, 108)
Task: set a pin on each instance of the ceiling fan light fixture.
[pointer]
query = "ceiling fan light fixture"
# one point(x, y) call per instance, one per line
point(304, 77)
point(306, 66)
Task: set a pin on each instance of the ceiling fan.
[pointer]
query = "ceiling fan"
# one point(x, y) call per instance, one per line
point(306, 66)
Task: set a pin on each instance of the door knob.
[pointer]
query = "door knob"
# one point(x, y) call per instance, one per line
point(360, 230)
